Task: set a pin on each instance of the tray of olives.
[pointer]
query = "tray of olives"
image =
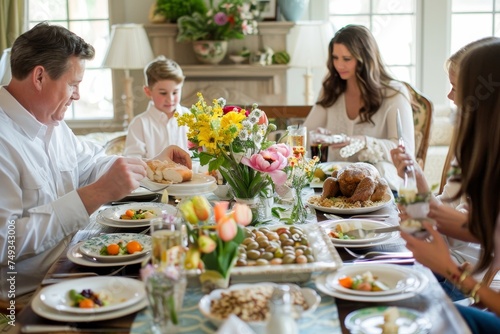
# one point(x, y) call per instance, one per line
point(284, 253)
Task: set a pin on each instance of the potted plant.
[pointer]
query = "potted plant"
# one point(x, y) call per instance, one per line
point(210, 30)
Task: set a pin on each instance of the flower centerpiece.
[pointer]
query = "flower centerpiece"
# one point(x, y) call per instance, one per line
point(234, 142)
point(212, 28)
point(300, 172)
point(213, 240)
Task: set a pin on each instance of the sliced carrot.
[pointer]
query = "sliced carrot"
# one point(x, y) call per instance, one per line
point(346, 282)
point(86, 303)
point(129, 213)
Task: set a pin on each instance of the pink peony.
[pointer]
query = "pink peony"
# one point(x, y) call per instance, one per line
point(281, 148)
point(270, 161)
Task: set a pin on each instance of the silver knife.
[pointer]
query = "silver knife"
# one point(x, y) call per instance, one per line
point(62, 328)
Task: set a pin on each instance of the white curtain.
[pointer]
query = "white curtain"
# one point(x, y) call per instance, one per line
point(5, 75)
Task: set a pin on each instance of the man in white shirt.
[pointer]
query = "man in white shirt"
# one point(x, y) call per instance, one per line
point(50, 181)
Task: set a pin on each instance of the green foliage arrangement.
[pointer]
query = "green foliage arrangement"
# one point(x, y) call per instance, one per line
point(172, 10)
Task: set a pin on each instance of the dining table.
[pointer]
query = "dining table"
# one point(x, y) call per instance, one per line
point(329, 316)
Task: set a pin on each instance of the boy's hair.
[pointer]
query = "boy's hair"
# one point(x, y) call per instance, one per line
point(162, 68)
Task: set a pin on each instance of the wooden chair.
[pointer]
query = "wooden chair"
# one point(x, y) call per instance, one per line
point(115, 146)
point(422, 119)
point(286, 115)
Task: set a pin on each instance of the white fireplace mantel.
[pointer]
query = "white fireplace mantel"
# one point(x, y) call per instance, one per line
point(238, 84)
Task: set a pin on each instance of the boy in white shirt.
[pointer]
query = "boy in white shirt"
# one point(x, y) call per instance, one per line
point(156, 128)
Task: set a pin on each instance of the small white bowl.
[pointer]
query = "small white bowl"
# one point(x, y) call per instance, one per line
point(311, 297)
point(237, 59)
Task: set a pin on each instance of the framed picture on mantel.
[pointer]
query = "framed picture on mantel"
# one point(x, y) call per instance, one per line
point(269, 10)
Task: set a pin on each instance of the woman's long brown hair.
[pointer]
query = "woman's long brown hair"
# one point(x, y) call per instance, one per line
point(373, 78)
point(478, 143)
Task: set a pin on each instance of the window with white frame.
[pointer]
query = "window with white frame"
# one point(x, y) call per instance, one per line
point(393, 24)
point(88, 19)
point(472, 20)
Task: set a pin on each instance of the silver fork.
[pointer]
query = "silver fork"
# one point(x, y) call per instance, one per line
point(143, 184)
point(379, 255)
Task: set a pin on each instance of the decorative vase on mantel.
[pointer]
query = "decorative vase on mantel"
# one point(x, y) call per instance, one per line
point(293, 10)
point(210, 52)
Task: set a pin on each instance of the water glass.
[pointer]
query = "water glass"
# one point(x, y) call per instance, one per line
point(168, 241)
point(165, 295)
point(297, 136)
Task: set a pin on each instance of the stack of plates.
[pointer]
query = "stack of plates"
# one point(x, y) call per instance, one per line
point(403, 283)
point(199, 184)
point(125, 296)
point(87, 253)
point(373, 240)
point(111, 216)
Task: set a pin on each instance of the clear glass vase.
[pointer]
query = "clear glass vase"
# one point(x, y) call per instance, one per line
point(299, 210)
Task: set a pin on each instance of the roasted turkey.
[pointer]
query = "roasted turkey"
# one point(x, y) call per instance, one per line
point(357, 182)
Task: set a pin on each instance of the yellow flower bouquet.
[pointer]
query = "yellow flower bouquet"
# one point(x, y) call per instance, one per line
point(234, 141)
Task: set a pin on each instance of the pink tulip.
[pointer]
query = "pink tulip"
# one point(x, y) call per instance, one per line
point(242, 214)
point(220, 209)
point(263, 119)
point(227, 229)
point(206, 244)
point(268, 161)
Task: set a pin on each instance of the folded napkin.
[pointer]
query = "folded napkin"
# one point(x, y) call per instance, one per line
point(233, 324)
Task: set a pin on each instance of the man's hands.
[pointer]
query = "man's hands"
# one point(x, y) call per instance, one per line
point(120, 180)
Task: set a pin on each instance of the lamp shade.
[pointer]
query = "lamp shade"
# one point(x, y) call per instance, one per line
point(311, 40)
point(5, 74)
point(129, 47)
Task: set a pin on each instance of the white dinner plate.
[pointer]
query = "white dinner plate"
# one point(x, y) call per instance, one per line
point(387, 200)
point(323, 286)
point(393, 237)
point(75, 256)
point(133, 223)
point(396, 278)
point(114, 213)
point(369, 320)
point(310, 296)
point(120, 292)
point(92, 247)
point(330, 225)
point(49, 313)
point(198, 181)
point(176, 192)
point(327, 167)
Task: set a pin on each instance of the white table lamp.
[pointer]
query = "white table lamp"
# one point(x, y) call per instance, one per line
point(128, 49)
point(311, 40)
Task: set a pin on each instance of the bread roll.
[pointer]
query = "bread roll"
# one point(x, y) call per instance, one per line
point(168, 172)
